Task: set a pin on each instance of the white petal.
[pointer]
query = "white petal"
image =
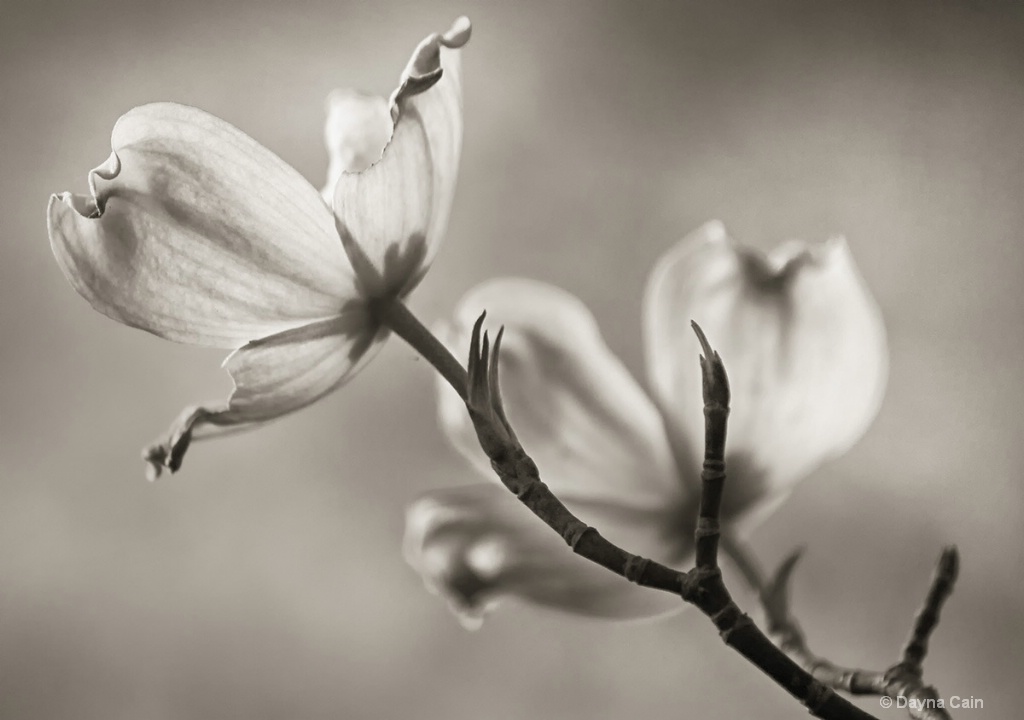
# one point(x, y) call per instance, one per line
point(197, 233)
point(803, 343)
point(274, 376)
point(393, 215)
point(597, 439)
point(357, 130)
point(475, 545)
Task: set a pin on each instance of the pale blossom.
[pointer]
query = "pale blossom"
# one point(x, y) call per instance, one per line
point(195, 232)
point(804, 345)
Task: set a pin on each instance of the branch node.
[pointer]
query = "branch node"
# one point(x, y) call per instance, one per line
point(576, 533)
point(702, 575)
point(635, 568)
point(817, 695)
point(714, 469)
point(730, 620)
point(706, 527)
point(525, 490)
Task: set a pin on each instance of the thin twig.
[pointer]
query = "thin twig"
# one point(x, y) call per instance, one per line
point(903, 679)
point(928, 618)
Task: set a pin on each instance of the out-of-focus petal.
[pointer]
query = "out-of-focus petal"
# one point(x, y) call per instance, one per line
point(475, 545)
point(393, 215)
point(597, 439)
point(197, 233)
point(803, 342)
point(357, 130)
point(274, 376)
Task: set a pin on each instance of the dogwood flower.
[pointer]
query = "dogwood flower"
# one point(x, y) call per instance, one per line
point(195, 232)
point(804, 345)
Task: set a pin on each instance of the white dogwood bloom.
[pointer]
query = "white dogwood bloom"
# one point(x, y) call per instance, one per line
point(195, 232)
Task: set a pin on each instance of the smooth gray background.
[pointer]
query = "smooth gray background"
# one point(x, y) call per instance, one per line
point(266, 581)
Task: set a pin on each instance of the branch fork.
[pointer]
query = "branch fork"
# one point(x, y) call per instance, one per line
point(811, 679)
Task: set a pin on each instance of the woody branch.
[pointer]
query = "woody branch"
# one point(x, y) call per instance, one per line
point(701, 586)
point(903, 678)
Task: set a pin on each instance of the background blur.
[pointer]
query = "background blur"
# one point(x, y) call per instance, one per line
point(266, 580)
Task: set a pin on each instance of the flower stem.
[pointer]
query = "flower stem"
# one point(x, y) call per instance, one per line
point(394, 314)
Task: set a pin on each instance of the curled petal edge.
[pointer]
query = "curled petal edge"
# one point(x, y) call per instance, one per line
point(180, 234)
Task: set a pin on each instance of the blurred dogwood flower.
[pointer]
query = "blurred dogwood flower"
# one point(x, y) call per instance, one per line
point(804, 345)
point(195, 232)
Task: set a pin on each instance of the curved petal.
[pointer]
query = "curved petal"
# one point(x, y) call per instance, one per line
point(392, 216)
point(803, 342)
point(197, 233)
point(274, 376)
point(597, 439)
point(475, 545)
point(357, 130)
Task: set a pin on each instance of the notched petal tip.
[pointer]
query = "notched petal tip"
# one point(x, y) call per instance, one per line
point(62, 226)
point(774, 270)
point(460, 570)
point(89, 206)
point(458, 34)
point(426, 57)
point(154, 456)
point(424, 67)
point(182, 236)
point(828, 250)
point(170, 453)
point(462, 582)
point(84, 205)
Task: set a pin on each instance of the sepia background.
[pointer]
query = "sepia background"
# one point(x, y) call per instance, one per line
point(266, 579)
